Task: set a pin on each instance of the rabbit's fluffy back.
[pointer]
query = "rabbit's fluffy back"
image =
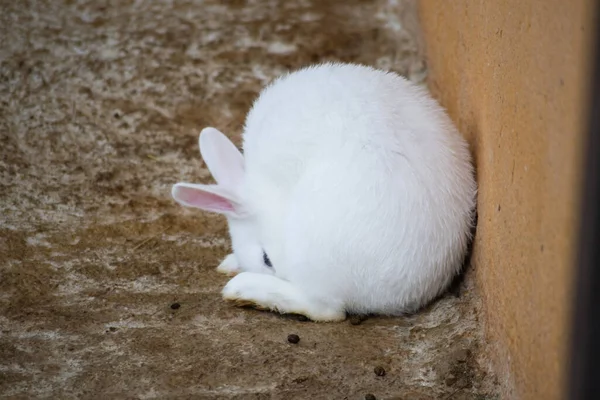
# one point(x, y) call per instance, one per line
point(363, 189)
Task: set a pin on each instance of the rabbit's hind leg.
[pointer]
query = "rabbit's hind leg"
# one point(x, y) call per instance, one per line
point(269, 292)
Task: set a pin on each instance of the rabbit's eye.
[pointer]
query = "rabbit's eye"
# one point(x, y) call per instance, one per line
point(266, 260)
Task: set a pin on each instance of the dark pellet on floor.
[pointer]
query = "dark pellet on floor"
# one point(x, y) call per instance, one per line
point(450, 380)
point(175, 306)
point(370, 396)
point(379, 371)
point(293, 338)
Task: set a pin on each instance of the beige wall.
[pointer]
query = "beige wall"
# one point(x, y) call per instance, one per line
point(511, 75)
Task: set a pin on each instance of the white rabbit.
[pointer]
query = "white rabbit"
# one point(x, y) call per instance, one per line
point(355, 194)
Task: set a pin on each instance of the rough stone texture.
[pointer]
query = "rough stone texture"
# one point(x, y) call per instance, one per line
point(512, 74)
point(100, 107)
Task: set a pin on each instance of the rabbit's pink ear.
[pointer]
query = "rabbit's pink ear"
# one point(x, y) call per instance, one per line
point(224, 160)
point(211, 198)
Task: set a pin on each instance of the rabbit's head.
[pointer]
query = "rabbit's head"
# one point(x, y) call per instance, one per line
point(226, 164)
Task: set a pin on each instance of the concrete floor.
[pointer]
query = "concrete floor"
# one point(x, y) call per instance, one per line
point(101, 103)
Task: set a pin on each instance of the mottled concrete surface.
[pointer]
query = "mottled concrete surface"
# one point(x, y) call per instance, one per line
point(100, 107)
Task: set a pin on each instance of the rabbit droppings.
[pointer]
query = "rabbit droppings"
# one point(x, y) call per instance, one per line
point(355, 193)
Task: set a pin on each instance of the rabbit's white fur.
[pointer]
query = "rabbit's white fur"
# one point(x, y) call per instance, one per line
point(354, 182)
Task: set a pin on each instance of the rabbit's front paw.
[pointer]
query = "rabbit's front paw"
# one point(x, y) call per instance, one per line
point(229, 266)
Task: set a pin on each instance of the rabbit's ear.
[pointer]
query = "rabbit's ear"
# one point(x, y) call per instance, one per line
point(213, 198)
point(224, 160)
